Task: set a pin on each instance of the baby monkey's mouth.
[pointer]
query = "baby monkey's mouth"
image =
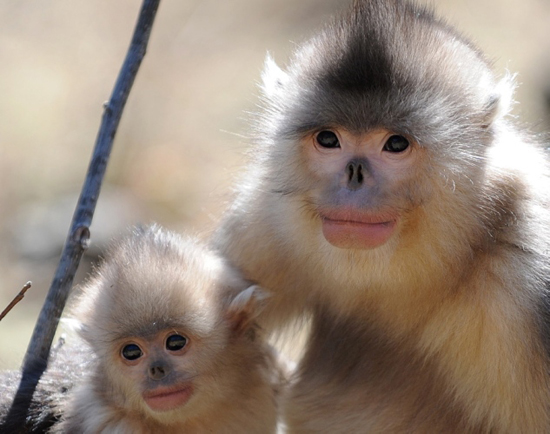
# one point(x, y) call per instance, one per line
point(168, 398)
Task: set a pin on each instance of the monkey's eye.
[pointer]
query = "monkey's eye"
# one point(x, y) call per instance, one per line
point(396, 143)
point(175, 342)
point(131, 352)
point(327, 139)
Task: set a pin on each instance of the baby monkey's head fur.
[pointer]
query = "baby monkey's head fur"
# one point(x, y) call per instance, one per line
point(172, 327)
point(155, 279)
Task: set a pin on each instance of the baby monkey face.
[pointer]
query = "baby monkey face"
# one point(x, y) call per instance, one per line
point(156, 365)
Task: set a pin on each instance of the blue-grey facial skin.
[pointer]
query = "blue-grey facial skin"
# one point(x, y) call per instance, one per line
point(154, 363)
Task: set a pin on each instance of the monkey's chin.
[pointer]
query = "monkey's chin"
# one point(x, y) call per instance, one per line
point(347, 234)
point(168, 398)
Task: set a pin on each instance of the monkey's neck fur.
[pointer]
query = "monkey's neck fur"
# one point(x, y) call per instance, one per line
point(440, 330)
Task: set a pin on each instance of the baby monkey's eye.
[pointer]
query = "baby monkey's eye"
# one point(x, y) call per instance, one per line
point(175, 342)
point(327, 139)
point(396, 143)
point(131, 352)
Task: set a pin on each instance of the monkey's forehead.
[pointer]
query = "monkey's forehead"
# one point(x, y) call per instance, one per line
point(138, 304)
point(149, 332)
point(388, 63)
point(148, 328)
point(149, 323)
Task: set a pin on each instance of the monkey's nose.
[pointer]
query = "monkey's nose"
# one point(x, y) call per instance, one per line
point(157, 372)
point(356, 170)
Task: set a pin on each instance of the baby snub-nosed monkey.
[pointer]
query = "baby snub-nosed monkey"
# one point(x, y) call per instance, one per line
point(176, 348)
point(392, 200)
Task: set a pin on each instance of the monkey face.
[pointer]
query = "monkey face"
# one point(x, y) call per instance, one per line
point(158, 367)
point(361, 175)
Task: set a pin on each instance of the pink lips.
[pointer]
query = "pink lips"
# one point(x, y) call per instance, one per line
point(351, 229)
point(168, 398)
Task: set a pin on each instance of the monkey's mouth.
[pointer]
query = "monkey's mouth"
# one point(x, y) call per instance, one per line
point(356, 230)
point(168, 398)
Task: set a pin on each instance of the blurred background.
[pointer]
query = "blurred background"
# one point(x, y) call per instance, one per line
point(181, 142)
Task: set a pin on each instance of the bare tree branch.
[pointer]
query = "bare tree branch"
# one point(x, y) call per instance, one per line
point(77, 241)
point(16, 300)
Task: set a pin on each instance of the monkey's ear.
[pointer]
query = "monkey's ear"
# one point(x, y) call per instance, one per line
point(246, 306)
point(273, 77)
point(500, 103)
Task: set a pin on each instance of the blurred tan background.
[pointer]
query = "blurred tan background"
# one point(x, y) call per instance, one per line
point(181, 140)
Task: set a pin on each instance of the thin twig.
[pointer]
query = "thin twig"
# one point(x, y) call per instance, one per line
point(16, 300)
point(77, 241)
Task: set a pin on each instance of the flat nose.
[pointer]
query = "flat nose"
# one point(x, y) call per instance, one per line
point(158, 371)
point(356, 170)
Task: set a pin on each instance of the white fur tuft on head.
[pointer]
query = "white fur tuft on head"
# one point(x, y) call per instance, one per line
point(273, 77)
point(506, 88)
